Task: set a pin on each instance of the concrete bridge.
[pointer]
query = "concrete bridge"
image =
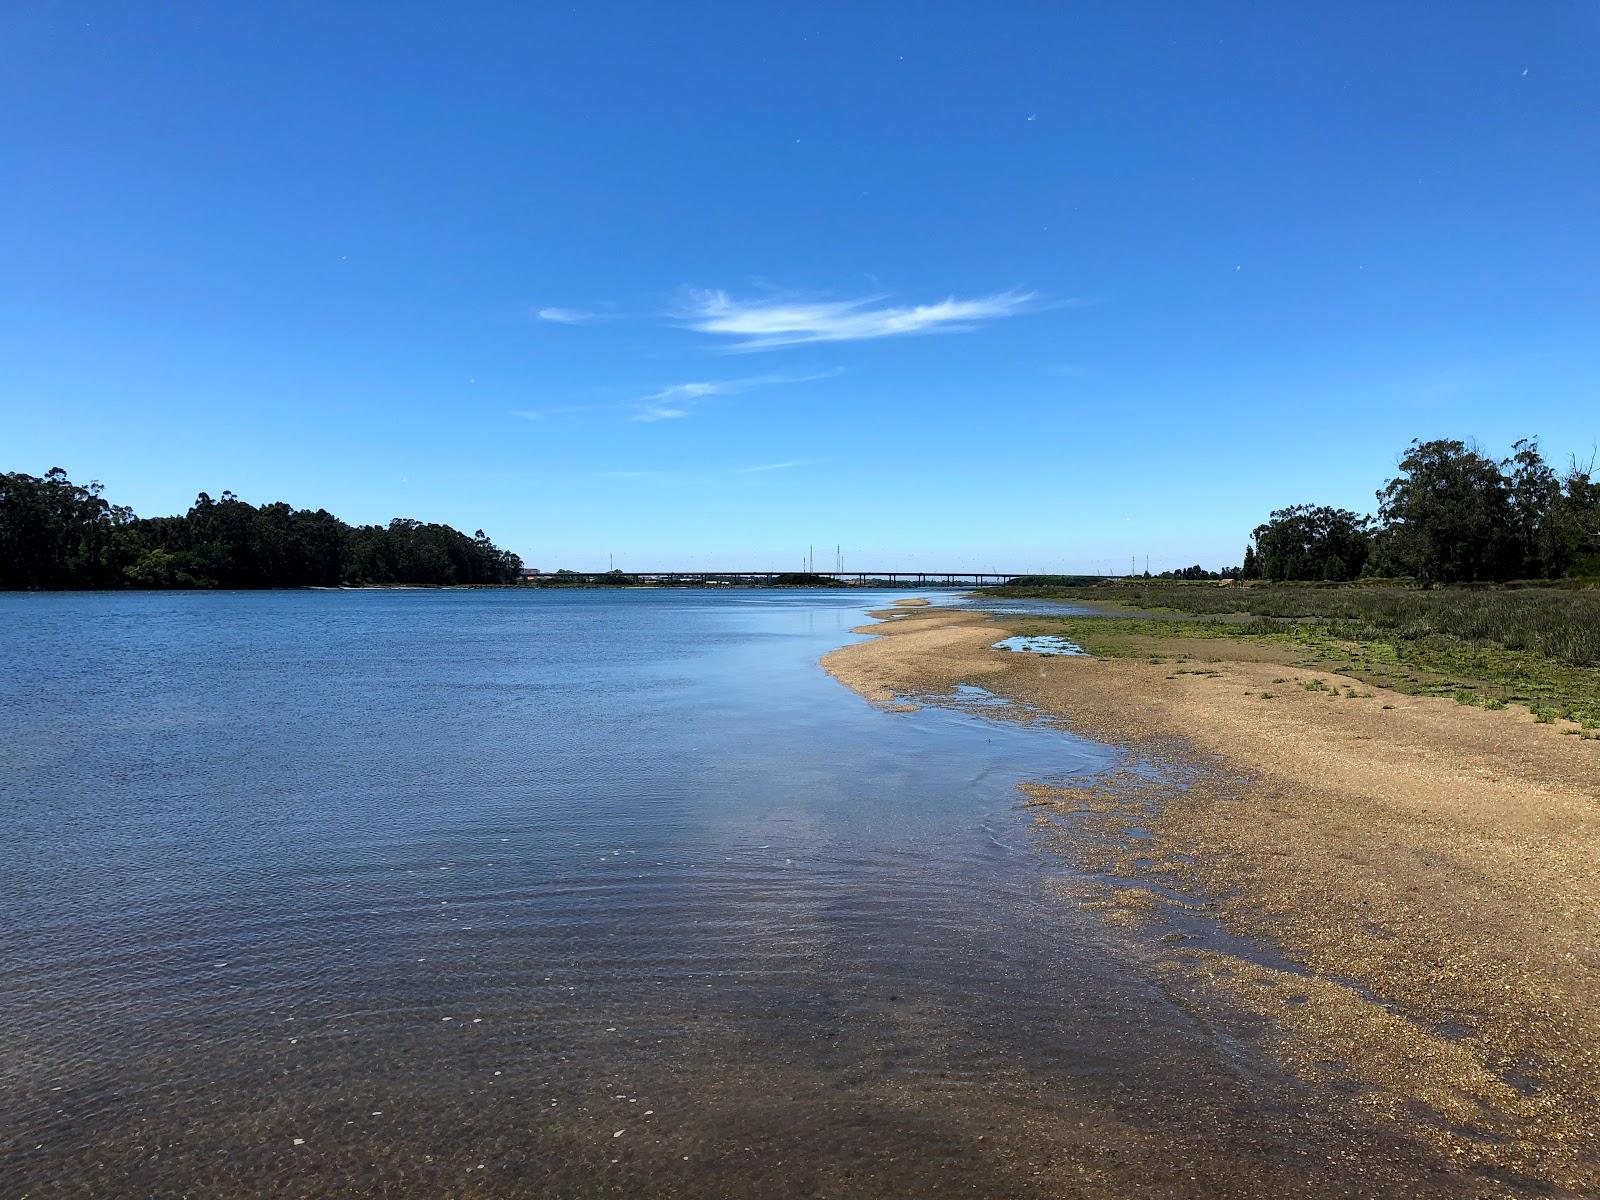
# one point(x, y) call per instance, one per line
point(725, 578)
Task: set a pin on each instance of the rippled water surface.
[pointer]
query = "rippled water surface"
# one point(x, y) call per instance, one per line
point(539, 893)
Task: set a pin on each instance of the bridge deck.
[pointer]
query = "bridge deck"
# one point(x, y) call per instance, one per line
point(858, 578)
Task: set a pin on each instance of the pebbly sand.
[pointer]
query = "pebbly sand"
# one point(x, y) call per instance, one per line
point(1416, 881)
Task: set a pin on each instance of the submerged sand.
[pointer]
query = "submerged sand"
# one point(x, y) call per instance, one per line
point(1416, 881)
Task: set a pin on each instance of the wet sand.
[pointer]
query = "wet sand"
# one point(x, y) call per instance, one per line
point(1395, 896)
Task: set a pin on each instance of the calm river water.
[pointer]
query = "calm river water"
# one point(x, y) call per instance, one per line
point(555, 893)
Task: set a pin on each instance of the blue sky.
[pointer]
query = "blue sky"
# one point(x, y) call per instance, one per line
point(1012, 286)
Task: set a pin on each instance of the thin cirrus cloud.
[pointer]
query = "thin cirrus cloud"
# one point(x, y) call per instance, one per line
point(764, 325)
point(676, 401)
point(570, 316)
point(673, 402)
point(558, 410)
point(703, 477)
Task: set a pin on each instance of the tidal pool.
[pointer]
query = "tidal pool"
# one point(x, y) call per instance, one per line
point(1048, 644)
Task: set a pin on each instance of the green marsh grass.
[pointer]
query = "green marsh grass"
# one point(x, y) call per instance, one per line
point(1562, 624)
point(1538, 647)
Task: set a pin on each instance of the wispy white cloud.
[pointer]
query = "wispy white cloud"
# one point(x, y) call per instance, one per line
point(668, 403)
point(672, 402)
point(704, 477)
point(558, 410)
point(659, 412)
point(777, 466)
point(676, 401)
point(570, 316)
point(693, 391)
point(762, 325)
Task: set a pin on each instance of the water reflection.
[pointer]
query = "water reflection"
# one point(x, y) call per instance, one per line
point(1050, 645)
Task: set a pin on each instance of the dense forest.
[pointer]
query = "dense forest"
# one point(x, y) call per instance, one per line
point(1451, 515)
point(56, 534)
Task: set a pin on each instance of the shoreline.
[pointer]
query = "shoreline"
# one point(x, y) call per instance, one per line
point(1421, 872)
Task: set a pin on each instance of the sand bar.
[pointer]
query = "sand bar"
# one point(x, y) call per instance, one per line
point(1420, 875)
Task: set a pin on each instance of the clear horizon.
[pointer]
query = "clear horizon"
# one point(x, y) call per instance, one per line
point(1031, 289)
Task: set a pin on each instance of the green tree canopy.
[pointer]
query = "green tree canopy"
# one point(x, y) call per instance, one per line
point(1306, 541)
point(1575, 529)
point(1449, 516)
point(55, 534)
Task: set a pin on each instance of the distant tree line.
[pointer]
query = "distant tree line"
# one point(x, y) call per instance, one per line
point(1194, 572)
point(56, 534)
point(1451, 515)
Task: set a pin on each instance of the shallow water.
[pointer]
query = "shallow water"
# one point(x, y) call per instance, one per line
point(1048, 644)
point(552, 893)
point(1021, 606)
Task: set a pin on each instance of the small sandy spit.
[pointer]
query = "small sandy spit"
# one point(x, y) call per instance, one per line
point(1422, 877)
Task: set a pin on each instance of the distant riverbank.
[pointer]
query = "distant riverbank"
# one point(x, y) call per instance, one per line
point(1419, 871)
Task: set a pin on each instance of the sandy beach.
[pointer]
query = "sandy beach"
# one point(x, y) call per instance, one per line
point(1396, 895)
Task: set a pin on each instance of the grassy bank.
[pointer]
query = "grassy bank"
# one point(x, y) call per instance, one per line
point(1537, 647)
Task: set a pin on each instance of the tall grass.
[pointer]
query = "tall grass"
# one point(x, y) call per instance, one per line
point(1562, 625)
